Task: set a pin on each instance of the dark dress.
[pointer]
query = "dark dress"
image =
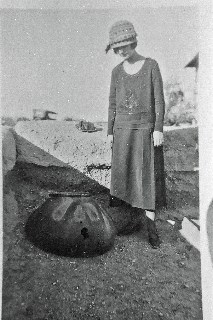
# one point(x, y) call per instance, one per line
point(136, 109)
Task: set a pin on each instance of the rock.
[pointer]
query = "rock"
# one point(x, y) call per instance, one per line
point(180, 149)
point(8, 149)
point(49, 143)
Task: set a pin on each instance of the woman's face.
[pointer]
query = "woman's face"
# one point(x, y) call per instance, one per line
point(125, 51)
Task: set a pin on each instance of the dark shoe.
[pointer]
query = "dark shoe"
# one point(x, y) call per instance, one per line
point(154, 239)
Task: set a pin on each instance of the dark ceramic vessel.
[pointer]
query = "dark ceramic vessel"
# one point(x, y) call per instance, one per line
point(71, 224)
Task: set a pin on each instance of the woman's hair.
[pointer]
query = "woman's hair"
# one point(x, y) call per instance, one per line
point(133, 46)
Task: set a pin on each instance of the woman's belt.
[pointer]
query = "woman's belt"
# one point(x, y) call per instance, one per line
point(133, 121)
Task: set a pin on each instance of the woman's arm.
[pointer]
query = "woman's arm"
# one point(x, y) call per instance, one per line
point(112, 105)
point(159, 106)
point(159, 98)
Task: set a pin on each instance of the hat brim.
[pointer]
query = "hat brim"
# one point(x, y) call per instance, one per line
point(122, 43)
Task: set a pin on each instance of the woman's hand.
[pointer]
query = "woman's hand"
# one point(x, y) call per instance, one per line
point(158, 138)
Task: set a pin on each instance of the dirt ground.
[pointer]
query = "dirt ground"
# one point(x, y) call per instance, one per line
point(131, 281)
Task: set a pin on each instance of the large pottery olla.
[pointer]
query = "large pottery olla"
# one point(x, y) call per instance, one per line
point(71, 225)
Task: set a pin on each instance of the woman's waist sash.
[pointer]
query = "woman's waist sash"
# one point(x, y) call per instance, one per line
point(133, 121)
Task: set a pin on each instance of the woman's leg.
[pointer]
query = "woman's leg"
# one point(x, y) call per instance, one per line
point(154, 239)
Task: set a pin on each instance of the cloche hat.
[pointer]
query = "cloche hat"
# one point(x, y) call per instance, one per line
point(121, 34)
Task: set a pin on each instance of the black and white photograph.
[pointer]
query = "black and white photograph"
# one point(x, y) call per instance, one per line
point(107, 160)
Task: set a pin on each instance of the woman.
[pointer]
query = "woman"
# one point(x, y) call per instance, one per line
point(135, 126)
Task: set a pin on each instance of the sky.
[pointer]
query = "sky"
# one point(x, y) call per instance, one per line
point(55, 59)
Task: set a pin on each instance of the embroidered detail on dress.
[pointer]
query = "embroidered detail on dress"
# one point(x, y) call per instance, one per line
point(131, 103)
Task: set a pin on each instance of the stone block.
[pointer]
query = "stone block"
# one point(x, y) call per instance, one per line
point(8, 149)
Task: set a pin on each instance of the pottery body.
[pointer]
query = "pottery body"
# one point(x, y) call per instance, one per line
point(73, 226)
